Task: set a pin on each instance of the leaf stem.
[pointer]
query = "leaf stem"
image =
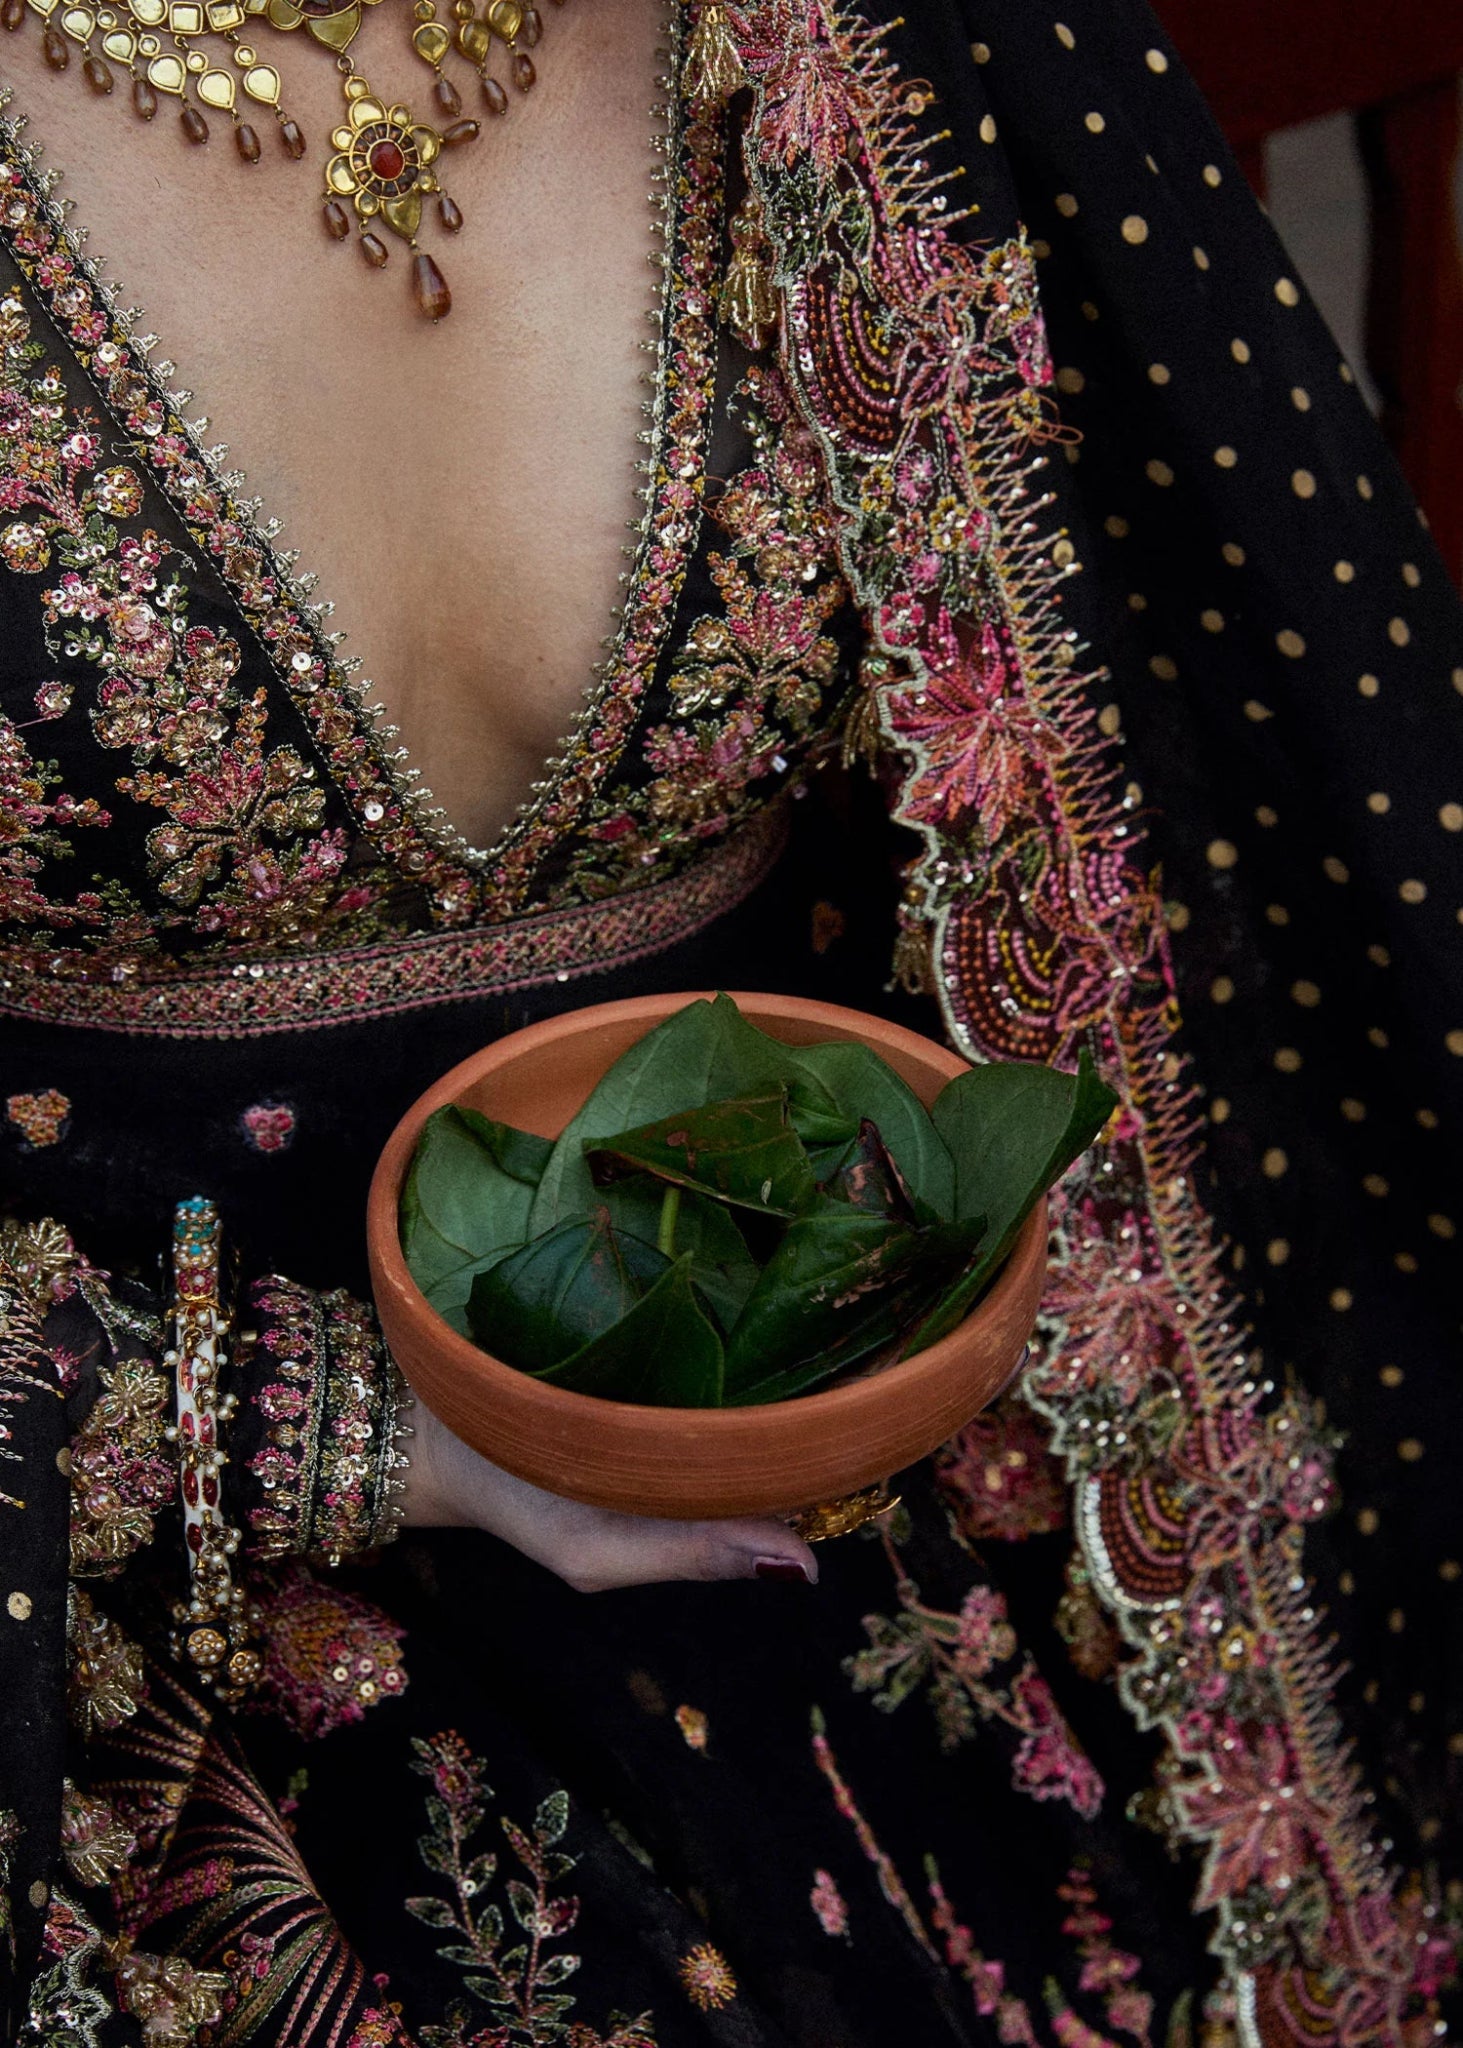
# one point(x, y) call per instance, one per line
point(670, 1209)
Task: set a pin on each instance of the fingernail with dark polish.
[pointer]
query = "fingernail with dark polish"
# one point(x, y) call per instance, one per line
point(780, 1568)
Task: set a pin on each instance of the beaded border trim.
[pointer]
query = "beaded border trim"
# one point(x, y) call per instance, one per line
point(332, 1465)
point(214, 1627)
point(303, 991)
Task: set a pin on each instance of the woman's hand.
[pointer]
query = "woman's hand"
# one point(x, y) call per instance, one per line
point(591, 1549)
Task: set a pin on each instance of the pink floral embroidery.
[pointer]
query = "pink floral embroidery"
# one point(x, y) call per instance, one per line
point(328, 1655)
point(1260, 1824)
point(40, 1119)
point(1034, 909)
point(1000, 1477)
point(827, 1902)
point(1049, 1764)
point(269, 1126)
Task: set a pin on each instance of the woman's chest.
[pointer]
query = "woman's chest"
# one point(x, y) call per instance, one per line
point(461, 490)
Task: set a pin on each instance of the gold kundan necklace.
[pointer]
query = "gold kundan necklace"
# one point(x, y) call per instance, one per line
point(384, 162)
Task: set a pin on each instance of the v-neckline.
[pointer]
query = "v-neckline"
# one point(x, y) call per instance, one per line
point(390, 804)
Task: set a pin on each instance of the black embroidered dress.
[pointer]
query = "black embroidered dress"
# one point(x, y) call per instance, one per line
point(1078, 529)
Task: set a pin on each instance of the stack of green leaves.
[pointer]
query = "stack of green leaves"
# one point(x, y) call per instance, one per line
point(731, 1220)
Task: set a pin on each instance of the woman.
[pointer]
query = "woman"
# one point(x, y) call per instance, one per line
point(986, 435)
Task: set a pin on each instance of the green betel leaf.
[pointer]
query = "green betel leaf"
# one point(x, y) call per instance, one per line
point(1013, 1130)
point(744, 1152)
point(843, 1286)
point(539, 1305)
point(707, 1052)
point(664, 1352)
point(465, 1203)
point(864, 1088)
point(869, 1178)
point(722, 1269)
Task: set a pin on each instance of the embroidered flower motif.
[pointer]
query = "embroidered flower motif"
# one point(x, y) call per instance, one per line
point(24, 547)
point(94, 1842)
point(53, 700)
point(827, 1902)
point(707, 1978)
point(1000, 1478)
point(328, 1655)
point(1258, 1818)
point(1049, 1764)
point(268, 1126)
point(694, 1727)
point(122, 1471)
point(40, 1119)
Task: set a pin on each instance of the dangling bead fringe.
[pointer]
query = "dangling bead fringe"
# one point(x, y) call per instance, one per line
point(713, 66)
point(748, 301)
point(912, 969)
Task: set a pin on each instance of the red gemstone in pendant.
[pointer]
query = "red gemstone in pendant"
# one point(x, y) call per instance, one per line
point(12, 14)
point(387, 160)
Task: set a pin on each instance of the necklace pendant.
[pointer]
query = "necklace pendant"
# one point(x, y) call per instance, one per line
point(429, 287)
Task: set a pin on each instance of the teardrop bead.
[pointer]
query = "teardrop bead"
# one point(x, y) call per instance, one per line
point(460, 132)
point(337, 220)
point(98, 76)
point(496, 98)
point(54, 50)
point(524, 75)
point(246, 141)
point(531, 33)
point(193, 124)
point(448, 98)
point(374, 250)
point(12, 14)
point(144, 99)
point(293, 139)
point(449, 212)
point(430, 287)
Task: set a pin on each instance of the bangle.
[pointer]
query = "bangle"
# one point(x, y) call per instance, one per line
point(214, 1628)
point(324, 1427)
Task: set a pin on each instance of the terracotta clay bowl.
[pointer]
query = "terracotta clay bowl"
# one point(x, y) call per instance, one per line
point(685, 1462)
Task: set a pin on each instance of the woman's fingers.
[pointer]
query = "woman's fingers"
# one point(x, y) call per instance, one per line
point(599, 1550)
point(591, 1549)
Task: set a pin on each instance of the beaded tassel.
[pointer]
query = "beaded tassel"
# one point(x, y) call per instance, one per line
point(713, 66)
point(748, 301)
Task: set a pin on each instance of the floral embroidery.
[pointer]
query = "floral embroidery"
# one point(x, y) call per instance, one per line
point(954, 1656)
point(362, 855)
point(1049, 1764)
point(1034, 903)
point(174, 2001)
point(241, 852)
point(518, 1984)
point(40, 1119)
point(268, 1126)
point(999, 1478)
point(694, 1726)
point(707, 1977)
point(1103, 1969)
point(94, 1842)
point(755, 680)
point(105, 1679)
point(122, 1473)
point(328, 1655)
point(295, 991)
point(827, 1903)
